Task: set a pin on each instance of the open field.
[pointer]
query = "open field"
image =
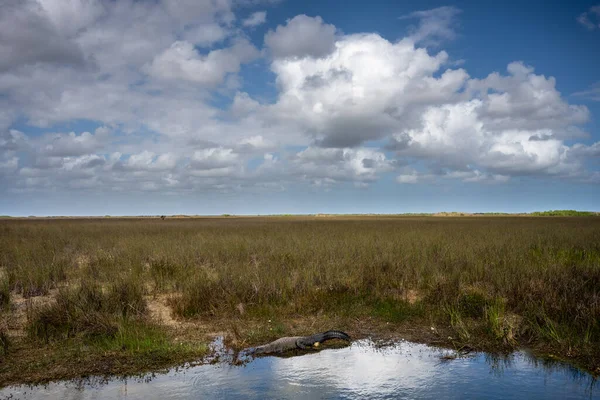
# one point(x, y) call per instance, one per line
point(95, 296)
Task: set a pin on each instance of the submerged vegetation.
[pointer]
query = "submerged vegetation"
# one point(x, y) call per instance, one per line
point(149, 292)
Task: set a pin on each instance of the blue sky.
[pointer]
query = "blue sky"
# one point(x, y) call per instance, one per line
point(266, 107)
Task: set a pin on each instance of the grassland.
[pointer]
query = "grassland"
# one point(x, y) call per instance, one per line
point(100, 296)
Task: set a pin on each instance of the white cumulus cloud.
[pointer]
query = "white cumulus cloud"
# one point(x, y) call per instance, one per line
point(182, 61)
point(171, 98)
point(255, 19)
point(302, 36)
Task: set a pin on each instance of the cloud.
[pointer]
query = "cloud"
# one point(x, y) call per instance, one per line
point(162, 82)
point(591, 151)
point(8, 164)
point(255, 19)
point(526, 100)
point(194, 11)
point(70, 17)
point(12, 140)
point(117, 39)
point(253, 3)
point(302, 36)
point(593, 93)
point(88, 161)
point(435, 25)
point(511, 125)
point(412, 176)
point(129, 33)
point(206, 35)
point(65, 145)
point(366, 89)
point(254, 144)
point(146, 161)
point(321, 165)
point(591, 18)
point(28, 36)
point(407, 178)
point(181, 61)
point(213, 158)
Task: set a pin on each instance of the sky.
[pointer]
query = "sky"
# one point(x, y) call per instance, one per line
point(135, 107)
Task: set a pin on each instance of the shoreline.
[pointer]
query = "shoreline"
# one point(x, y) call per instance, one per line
point(68, 360)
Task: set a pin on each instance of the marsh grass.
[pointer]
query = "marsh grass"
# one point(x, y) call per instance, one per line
point(4, 341)
point(4, 295)
point(494, 320)
point(458, 323)
point(88, 310)
point(470, 273)
point(135, 336)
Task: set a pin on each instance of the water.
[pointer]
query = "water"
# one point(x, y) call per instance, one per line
point(404, 370)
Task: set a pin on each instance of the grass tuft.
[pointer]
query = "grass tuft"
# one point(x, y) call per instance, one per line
point(87, 311)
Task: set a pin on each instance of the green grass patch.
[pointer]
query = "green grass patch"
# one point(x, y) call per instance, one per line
point(473, 304)
point(458, 323)
point(494, 317)
point(397, 310)
point(136, 337)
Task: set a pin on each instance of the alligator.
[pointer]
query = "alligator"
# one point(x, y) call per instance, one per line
point(296, 342)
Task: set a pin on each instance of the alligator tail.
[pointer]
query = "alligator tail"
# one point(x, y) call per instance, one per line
point(336, 335)
point(321, 337)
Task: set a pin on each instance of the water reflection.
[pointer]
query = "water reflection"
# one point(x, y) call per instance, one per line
point(403, 370)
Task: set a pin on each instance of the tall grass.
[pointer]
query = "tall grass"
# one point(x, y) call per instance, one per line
point(546, 270)
point(4, 295)
point(87, 310)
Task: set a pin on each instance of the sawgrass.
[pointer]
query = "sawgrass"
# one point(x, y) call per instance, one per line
point(474, 274)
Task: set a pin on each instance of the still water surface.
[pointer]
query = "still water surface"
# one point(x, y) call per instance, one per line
point(362, 370)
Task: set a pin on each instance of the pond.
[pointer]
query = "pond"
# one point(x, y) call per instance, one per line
point(362, 370)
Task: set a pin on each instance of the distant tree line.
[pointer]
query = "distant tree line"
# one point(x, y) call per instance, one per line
point(564, 213)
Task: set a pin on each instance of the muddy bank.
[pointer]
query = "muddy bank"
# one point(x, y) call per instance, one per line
point(33, 362)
